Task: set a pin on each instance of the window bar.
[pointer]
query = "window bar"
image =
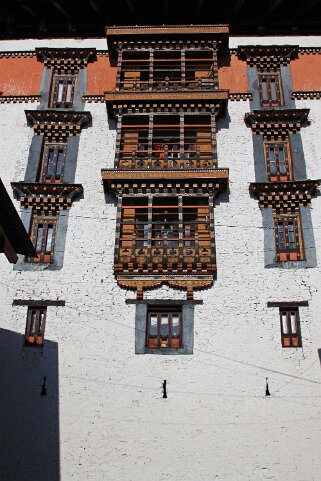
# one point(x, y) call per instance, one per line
point(180, 230)
point(151, 69)
point(118, 229)
point(211, 227)
point(213, 138)
point(181, 139)
point(118, 140)
point(119, 67)
point(183, 68)
point(150, 230)
point(150, 140)
point(215, 66)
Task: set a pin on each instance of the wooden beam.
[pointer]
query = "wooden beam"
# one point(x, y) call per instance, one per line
point(271, 9)
point(308, 5)
point(27, 8)
point(199, 7)
point(166, 7)
point(131, 8)
point(238, 6)
point(97, 6)
point(61, 9)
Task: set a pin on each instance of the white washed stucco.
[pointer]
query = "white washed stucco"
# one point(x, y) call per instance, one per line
point(216, 422)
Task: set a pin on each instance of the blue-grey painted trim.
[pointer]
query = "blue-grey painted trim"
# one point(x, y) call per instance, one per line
point(59, 251)
point(187, 329)
point(71, 159)
point(80, 91)
point(259, 159)
point(159, 302)
point(254, 88)
point(308, 241)
point(34, 158)
point(299, 168)
point(287, 88)
point(45, 88)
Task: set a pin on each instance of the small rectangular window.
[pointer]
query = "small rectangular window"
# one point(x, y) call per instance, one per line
point(288, 238)
point(43, 235)
point(164, 327)
point(270, 89)
point(35, 327)
point(62, 91)
point(53, 162)
point(278, 161)
point(290, 327)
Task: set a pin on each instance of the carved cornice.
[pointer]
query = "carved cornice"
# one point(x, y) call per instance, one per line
point(57, 125)
point(93, 98)
point(277, 122)
point(310, 50)
point(145, 282)
point(284, 196)
point(66, 60)
point(311, 95)
point(206, 182)
point(162, 36)
point(120, 103)
point(46, 198)
point(13, 99)
point(267, 57)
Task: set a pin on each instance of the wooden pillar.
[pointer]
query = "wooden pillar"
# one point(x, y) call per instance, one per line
point(150, 140)
point(118, 139)
point(181, 137)
point(215, 66)
point(119, 66)
point(118, 229)
point(151, 69)
point(183, 69)
point(213, 137)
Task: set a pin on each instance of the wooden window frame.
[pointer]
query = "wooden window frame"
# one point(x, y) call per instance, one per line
point(291, 225)
point(44, 255)
point(65, 80)
point(35, 326)
point(290, 331)
point(56, 148)
point(278, 175)
point(269, 101)
point(164, 341)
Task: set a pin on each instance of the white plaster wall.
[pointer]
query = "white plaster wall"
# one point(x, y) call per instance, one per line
point(216, 422)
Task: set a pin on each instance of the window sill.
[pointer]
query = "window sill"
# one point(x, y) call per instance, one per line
point(167, 352)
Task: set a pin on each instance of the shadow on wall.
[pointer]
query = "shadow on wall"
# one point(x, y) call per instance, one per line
point(29, 432)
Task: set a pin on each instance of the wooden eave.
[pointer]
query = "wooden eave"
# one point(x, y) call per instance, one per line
point(301, 187)
point(80, 54)
point(25, 189)
point(120, 33)
point(193, 98)
point(281, 52)
point(114, 178)
point(35, 117)
point(13, 228)
point(271, 116)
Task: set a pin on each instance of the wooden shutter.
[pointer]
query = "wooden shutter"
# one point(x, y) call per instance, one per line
point(203, 140)
point(129, 77)
point(128, 227)
point(203, 226)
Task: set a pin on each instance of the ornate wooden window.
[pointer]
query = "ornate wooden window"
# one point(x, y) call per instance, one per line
point(35, 327)
point(53, 162)
point(164, 327)
point(43, 236)
point(62, 91)
point(290, 327)
point(167, 70)
point(165, 233)
point(278, 161)
point(270, 89)
point(166, 141)
point(288, 238)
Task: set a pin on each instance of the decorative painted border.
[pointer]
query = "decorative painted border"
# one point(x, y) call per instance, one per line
point(93, 98)
point(240, 96)
point(13, 99)
point(309, 94)
point(16, 53)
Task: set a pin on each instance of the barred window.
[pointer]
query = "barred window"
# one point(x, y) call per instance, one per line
point(290, 327)
point(35, 326)
point(288, 238)
point(53, 162)
point(43, 236)
point(62, 91)
point(278, 161)
point(164, 327)
point(270, 89)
